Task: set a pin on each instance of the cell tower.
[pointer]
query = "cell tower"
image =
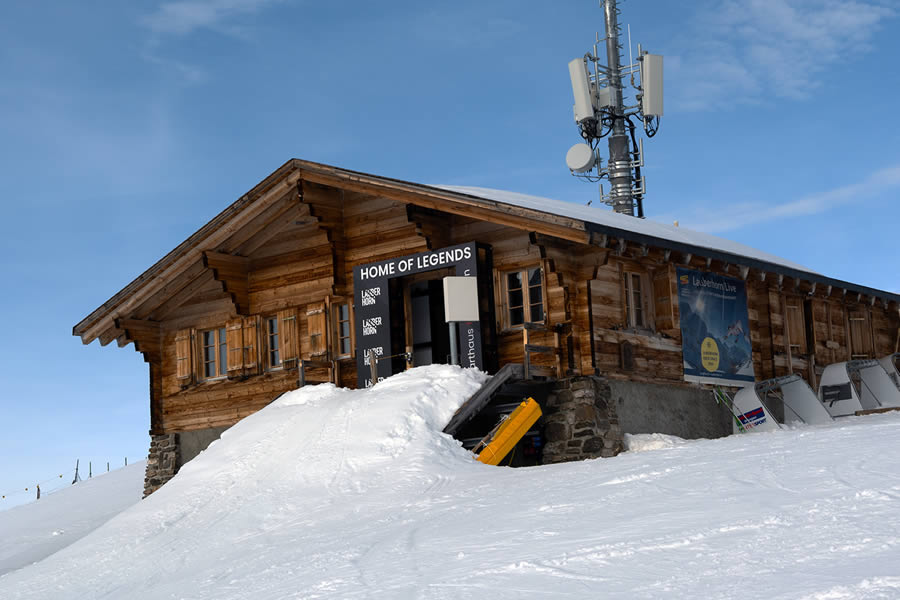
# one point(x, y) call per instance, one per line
point(600, 111)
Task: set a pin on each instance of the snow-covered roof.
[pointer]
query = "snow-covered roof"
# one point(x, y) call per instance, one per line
point(609, 219)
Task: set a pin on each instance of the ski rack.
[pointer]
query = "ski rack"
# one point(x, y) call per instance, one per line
point(724, 399)
point(758, 414)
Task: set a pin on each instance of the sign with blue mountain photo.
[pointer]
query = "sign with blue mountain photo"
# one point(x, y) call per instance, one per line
point(715, 329)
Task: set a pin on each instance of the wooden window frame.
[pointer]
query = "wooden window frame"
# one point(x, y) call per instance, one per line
point(221, 344)
point(527, 300)
point(647, 299)
point(795, 331)
point(267, 336)
point(336, 305)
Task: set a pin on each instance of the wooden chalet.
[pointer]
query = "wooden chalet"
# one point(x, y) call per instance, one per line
point(293, 283)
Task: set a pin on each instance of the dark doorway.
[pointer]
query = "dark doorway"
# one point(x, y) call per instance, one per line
point(425, 317)
point(424, 333)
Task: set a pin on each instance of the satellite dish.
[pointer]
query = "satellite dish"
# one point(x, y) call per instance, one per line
point(580, 158)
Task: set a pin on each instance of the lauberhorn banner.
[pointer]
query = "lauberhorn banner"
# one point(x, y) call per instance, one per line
point(715, 329)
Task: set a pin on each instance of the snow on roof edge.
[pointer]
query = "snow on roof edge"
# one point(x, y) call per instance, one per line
point(608, 218)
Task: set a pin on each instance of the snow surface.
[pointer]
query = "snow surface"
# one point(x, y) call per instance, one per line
point(32, 532)
point(601, 216)
point(331, 493)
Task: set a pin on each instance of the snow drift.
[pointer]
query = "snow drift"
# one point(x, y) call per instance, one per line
point(32, 532)
point(331, 493)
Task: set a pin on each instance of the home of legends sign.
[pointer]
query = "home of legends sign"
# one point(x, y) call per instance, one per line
point(373, 306)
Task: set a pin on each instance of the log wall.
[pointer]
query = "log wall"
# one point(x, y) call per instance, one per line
point(297, 258)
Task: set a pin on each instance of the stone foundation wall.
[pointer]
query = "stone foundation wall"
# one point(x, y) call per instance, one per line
point(162, 461)
point(580, 421)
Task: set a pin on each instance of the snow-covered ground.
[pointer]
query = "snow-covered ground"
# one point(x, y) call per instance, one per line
point(32, 532)
point(331, 493)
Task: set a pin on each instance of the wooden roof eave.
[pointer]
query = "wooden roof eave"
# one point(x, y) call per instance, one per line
point(217, 229)
point(739, 260)
point(446, 201)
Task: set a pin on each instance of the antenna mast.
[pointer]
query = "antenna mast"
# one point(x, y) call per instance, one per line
point(619, 165)
point(600, 111)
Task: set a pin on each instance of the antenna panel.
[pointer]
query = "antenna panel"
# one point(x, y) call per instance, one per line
point(652, 84)
point(604, 98)
point(581, 89)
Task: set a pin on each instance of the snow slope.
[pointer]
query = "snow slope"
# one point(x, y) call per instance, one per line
point(31, 532)
point(331, 493)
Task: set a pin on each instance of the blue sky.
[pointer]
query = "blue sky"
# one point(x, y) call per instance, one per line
point(125, 126)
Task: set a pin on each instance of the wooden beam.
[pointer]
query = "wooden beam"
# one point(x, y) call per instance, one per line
point(165, 309)
point(174, 285)
point(292, 217)
point(109, 335)
point(599, 239)
point(138, 328)
point(275, 212)
point(327, 205)
point(146, 336)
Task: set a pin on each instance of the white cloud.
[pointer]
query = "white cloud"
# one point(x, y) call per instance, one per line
point(748, 50)
point(182, 17)
point(750, 213)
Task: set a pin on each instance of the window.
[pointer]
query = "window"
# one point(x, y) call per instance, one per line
point(635, 290)
point(795, 326)
point(524, 297)
point(214, 353)
point(342, 337)
point(273, 353)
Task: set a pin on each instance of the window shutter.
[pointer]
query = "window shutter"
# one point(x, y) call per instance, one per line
point(287, 340)
point(663, 300)
point(796, 328)
point(183, 354)
point(315, 324)
point(234, 339)
point(251, 344)
point(860, 340)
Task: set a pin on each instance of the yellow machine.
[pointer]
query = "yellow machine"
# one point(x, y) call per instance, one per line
point(498, 443)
